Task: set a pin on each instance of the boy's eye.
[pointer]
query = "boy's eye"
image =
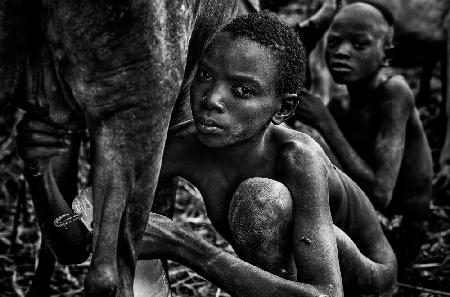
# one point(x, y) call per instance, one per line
point(359, 45)
point(243, 91)
point(332, 43)
point(203, 75)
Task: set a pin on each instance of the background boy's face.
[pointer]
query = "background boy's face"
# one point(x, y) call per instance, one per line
point(355, 44)
point(233, 95)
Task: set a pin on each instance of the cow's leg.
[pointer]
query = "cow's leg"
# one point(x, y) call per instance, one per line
point(128, 141)
point(126, 165)
point(123, 62)
point(40, 285)
point(46, 186)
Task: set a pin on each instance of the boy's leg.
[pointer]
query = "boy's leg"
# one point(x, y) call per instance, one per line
point(260, 219)
point(40, 286)
point(370, 270)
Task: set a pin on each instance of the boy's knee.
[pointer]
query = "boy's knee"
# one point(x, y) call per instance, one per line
point(258, 206)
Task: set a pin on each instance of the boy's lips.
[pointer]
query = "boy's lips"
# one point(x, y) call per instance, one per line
point(340, 66)
point(205, 125)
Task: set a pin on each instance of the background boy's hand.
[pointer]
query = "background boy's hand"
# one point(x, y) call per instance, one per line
point(37, 142)
point(311, 110)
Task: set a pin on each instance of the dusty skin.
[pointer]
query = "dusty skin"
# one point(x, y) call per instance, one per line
point(388, 155)
point(377, 136)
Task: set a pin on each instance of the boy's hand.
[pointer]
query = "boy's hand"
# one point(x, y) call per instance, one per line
point(311, 110)
point(161, 235)
point(37, 142)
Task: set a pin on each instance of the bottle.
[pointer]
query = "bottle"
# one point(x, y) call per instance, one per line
point(82, 204)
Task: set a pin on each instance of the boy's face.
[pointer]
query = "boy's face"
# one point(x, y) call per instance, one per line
point(355, 45)
point(233, 94)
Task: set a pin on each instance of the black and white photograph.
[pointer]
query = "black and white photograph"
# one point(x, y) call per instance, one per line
point(224, 148)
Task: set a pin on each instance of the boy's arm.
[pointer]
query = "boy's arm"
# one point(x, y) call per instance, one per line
point(165, 239)
point(50, 156)
point(315, 252)
point(313, 29)
point(323, 17)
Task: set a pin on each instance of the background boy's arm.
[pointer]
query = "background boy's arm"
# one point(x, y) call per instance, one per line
point(395, 110)
point(312, 29)
point(324, 16)
point(312, 111)
point(395, 107)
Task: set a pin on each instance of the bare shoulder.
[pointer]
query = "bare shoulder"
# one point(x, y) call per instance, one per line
point(301, 155)
point(182, 128)
point(182, 145)
point(182, 136)
point(396, 90)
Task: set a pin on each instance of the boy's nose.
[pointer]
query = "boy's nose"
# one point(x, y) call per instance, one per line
point(213, 98)
point(343, 49)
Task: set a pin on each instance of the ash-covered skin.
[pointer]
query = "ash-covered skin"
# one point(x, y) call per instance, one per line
point(260, 219)
point(234, 145)
point(421, 30)
point(388, 155)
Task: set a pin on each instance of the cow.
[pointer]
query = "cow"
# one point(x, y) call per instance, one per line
point(421, 27)
point(117, 68)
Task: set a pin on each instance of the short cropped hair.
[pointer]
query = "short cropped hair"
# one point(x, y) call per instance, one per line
point(386, 12)
point(267, 29)
point(388, 17)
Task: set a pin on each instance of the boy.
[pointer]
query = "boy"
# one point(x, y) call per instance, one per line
point(270, 191)
point(377, 135)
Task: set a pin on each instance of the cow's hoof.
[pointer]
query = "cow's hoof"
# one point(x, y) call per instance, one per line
point(100, 282)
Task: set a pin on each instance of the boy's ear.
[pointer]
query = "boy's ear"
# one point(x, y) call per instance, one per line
point(287, 108)
point(388, 54)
